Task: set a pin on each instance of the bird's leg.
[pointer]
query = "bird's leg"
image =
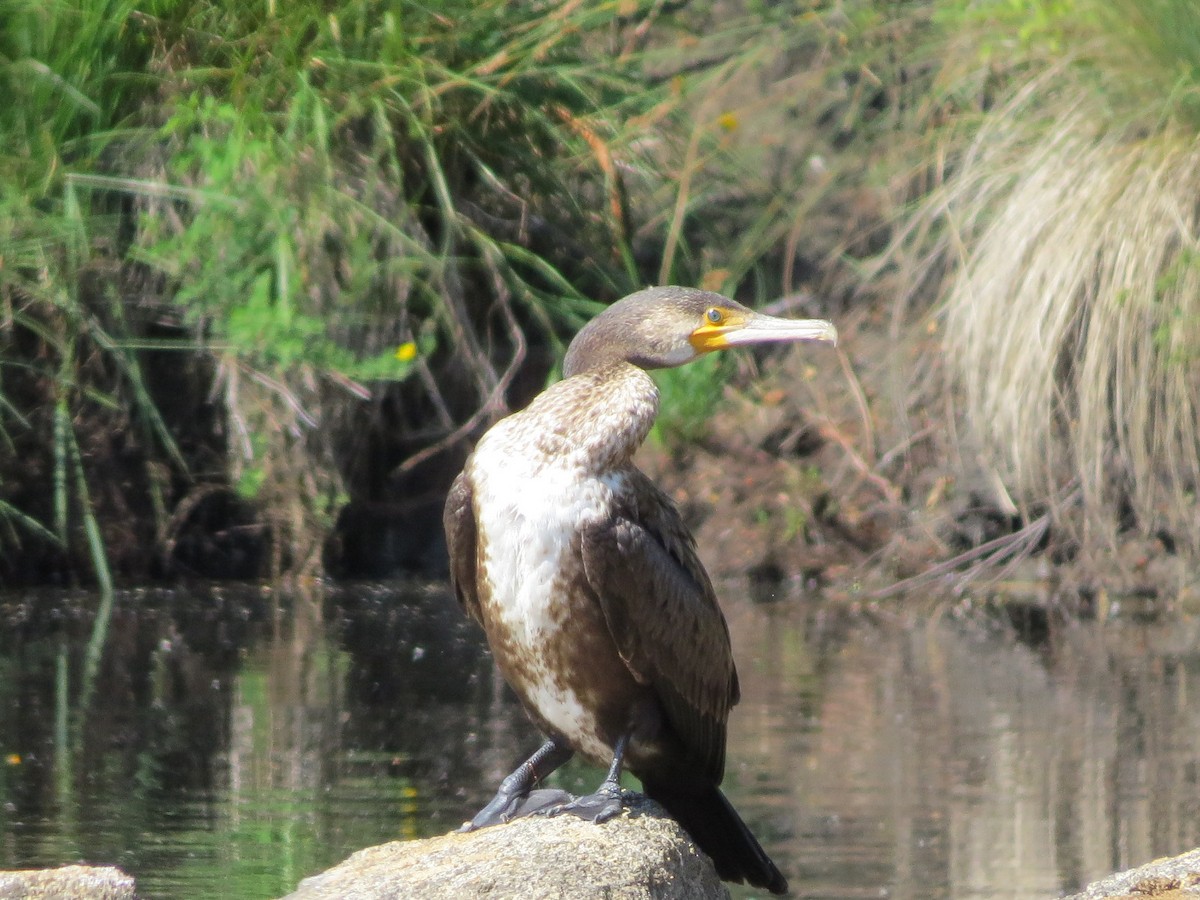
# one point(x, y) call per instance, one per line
point(606, 801)
point(515, 799)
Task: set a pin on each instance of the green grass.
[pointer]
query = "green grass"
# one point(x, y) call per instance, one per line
point(288, 253)
point(688, 397)
point(62, 70)
point(319, 202)
point(331, 213)
point(371, 193)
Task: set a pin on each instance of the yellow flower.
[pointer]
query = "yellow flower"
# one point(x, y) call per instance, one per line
point(13, 759)
point(406, 352)
point(728, 121)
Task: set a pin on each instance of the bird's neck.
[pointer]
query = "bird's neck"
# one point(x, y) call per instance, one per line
point(593, 421)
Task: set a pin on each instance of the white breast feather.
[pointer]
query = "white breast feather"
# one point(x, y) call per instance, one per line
point(527, 515)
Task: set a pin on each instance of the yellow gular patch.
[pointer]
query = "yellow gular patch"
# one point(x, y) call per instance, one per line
point(718, 322)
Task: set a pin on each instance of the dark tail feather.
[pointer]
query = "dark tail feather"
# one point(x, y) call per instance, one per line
point(720, 832)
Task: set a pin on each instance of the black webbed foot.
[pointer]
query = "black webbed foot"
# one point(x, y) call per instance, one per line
point(506, 807)
point(601, 806)
point(515, 797)
point(606, 802)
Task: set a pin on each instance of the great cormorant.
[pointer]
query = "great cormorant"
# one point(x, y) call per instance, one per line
point(582, 573)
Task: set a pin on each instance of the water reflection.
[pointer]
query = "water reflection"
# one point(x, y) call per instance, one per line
point(239, 741)
point(946, 759)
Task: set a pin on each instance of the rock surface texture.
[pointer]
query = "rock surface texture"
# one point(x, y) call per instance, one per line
point(67, 883)
point(641, 855)
point(1167, 879)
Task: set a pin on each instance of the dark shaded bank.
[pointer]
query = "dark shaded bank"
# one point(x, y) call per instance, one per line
point(782, 469)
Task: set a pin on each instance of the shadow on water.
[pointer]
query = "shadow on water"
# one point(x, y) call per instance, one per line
point(237, 742)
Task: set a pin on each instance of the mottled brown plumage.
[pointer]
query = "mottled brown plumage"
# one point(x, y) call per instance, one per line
point(588, 584)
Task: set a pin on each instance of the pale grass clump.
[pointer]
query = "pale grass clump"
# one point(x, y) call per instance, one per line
point(1073, 322)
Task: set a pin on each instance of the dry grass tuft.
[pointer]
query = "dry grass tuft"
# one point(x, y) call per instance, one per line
point(1072, 321)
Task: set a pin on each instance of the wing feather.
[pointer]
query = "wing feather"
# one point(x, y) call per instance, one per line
point(458, 519)
point(663, 615)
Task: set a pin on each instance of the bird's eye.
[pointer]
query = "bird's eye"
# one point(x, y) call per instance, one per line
point(714, 315)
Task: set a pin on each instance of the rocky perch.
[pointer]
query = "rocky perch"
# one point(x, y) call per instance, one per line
point(66, 883)
point(641, 855)
point(1171, 878)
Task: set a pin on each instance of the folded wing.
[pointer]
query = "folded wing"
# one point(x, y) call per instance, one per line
point(662, 612)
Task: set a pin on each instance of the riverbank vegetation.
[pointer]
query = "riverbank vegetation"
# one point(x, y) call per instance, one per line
point(297, 219)
point(266, 272)
point(1071, 310)
point(1054, 257)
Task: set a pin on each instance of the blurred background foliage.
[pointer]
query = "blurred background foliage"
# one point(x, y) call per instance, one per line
point(266, 269)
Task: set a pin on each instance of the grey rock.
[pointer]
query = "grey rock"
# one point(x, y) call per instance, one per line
point(90, 882)
point(640, 855)
point(1172, 874)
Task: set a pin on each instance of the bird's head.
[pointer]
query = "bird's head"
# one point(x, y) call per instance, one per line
point(663, 327)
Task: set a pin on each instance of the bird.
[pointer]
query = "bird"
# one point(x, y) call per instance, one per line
point(588, 584)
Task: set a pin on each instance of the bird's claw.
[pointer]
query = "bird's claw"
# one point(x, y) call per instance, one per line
point(504, 807)
point(606, 803)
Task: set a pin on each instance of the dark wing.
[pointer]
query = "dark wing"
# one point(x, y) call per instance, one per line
point(458, 519)
point(662, 611)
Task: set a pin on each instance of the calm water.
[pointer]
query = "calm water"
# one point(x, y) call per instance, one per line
point(236, 742)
